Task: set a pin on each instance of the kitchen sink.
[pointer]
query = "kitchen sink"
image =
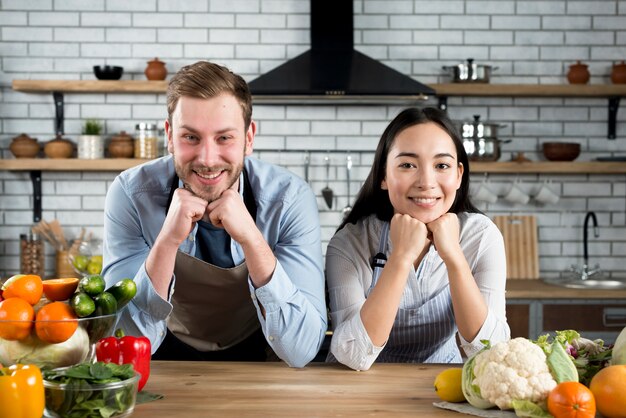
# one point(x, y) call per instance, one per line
point(595, 283)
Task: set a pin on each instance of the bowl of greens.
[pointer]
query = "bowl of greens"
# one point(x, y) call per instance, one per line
point(90, 390)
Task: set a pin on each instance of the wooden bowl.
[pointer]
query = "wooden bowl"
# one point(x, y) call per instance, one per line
point(561, 151)
point(23, 146)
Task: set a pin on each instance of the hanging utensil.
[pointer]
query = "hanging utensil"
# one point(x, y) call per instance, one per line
point(307, 162)
point(346, 211)
point(327, 192)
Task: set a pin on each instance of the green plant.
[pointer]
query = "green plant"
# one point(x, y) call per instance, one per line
point(92, 127)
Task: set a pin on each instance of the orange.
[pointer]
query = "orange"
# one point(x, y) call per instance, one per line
point(16, 317)
point(55, 322)
point(609, 388)
point(571, 400)
point(25, 286)
point(59, 289)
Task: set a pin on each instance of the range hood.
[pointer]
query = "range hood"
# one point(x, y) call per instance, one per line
point(332, 70)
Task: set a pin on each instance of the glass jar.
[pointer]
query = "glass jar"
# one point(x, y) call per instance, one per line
point(146, 140)
point(31, 254)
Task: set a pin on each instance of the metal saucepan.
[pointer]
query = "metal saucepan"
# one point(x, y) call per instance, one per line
point(480, 139)
point(478, 129)
point(470, 72)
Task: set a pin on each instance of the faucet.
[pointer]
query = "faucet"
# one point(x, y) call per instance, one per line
point(585, 273)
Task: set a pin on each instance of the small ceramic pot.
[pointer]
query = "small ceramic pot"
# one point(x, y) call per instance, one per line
point(578, 73)
point(122, 146)
point(618, 74)
point(23, 146)
point(156, 70)
point(59, 148)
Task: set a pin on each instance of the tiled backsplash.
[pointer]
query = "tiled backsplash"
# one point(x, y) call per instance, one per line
point(530, 42)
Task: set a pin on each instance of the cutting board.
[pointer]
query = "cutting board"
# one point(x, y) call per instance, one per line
point(520, 244)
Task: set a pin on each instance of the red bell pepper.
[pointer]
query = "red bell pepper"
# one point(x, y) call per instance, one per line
point(121, 349)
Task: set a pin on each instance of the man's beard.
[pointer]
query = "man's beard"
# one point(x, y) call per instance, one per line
point(208, 193)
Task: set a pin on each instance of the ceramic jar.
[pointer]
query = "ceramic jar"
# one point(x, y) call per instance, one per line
point(578, 73)
point(59, 148)
point(618, 74)
point(156, 70)
point(23, 146)
point(121, 146)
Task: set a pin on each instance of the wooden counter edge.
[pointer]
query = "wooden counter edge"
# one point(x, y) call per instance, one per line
point(537, 289)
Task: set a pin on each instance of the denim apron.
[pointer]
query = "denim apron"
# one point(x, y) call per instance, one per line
point(212, 306)
point(424, 330)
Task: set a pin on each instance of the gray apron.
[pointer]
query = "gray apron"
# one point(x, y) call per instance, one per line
point(424, 330)
point(212, 306)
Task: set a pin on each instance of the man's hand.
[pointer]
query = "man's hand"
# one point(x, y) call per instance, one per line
point(185, 210)
point(229, 212)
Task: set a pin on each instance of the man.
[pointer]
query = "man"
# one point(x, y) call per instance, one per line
point(225, 249)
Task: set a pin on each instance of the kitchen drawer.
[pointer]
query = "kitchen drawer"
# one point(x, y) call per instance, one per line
point(610, 317)
point(518, 317)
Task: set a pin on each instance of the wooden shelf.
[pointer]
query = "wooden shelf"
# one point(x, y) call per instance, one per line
point(90, 86)
point(450, 89)
point(507, 167)
point(69, 164)
point(530, 90)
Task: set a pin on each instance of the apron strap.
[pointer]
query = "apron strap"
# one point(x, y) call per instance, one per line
point(380, 259)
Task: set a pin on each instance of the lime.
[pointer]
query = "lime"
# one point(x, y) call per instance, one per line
point(105, 304)
point(94, 268)
point(82, 304)
point(80, 262)
point(448, 385)
point(124, 291)
point(92, 285)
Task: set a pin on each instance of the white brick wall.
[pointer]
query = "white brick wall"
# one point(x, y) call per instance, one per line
point(530, 42)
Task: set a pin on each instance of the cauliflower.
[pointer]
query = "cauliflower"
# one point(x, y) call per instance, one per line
point(513, 370)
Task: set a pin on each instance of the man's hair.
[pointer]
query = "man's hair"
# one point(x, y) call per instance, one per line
point(205, 80)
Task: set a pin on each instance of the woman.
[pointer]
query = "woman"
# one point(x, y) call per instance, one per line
point(444, 262)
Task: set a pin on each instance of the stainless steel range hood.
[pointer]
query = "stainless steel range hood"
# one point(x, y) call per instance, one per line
point(332, 71)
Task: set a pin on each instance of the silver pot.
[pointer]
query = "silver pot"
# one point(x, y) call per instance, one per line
point(478, 129)
point(480, 139)
point(483, 149)
point(470, 72)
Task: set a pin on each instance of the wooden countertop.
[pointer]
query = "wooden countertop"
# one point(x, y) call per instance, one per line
point(537, 289)
point(231, 389)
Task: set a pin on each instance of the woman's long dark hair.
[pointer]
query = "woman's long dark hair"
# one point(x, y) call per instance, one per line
point(373, 199)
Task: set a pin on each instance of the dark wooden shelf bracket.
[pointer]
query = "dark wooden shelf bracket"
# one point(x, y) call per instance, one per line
point(35, 176)
point(443, 103)
point(613, 108)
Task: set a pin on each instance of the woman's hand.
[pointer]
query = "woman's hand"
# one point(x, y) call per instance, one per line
point(445, 235)
point(409, 237)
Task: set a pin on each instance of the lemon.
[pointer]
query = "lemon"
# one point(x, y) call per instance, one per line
point(448, 385)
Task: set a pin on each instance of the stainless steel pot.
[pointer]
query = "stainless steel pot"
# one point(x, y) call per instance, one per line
point(478, 129)
point(480, 139)
point(470, 72)
point(483, 149)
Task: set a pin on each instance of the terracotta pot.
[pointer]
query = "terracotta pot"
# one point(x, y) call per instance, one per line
point(23, 146)
point(156, 70)
point(578, 73)
point(59, 148)
point(122, 146)
point(618, 74)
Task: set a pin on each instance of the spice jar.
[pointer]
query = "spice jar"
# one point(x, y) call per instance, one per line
point(146, 140)
point(122, 146)
point(31, 254)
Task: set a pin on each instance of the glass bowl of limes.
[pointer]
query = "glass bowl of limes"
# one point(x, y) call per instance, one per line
point(39, 325)
point(86, 258)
